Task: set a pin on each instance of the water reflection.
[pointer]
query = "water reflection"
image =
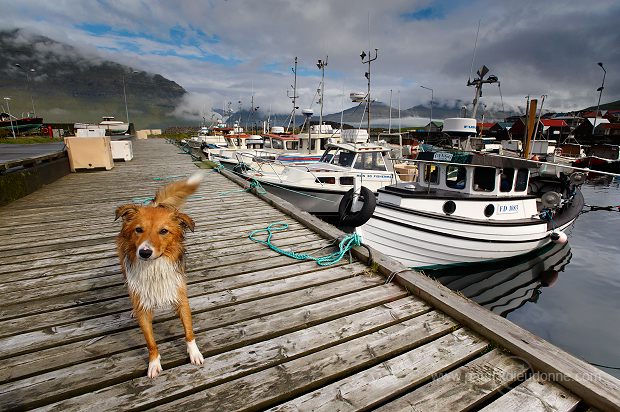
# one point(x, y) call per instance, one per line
point(504, 286)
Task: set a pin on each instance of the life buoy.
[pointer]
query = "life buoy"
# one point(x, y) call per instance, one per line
point(358, 218)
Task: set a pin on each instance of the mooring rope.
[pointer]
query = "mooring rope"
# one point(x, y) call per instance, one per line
point(345, 245)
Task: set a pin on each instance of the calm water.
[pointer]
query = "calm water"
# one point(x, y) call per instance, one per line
point(568, 295)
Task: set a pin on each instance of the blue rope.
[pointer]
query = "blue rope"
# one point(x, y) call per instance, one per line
point(345, 245)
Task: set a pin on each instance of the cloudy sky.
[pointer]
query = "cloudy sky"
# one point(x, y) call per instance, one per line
point(223, 51)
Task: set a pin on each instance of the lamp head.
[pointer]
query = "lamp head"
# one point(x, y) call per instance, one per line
point(600, 64)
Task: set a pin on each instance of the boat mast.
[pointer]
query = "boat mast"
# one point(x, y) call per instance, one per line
point(367, 74)
point(294, 98)
point(321, 65)
point(542, 102)
point(390, 122)
point(477, 83)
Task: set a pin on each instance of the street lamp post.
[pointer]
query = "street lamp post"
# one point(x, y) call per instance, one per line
point(125, 97)
point(8, 109)
point(19, 66)
point(367, 74)
point(600, 93)
point(431, 116)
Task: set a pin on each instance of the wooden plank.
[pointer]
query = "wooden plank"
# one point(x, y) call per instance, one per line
point(91, 328)
point(323, 303)
point(78, 302)
point(462, 389)
point(373, 386)
point(535, 394)
point(113, 299)
point(199, 256)
point(354, 348)
point(41, 388)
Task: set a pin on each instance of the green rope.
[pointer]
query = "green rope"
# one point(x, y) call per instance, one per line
point(345, 245)
point(254, 184)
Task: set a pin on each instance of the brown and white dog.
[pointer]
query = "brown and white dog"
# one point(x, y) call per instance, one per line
point(152, 256)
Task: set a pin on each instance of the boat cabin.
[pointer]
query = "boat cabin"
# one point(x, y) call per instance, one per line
point(472, 174)
point(279, 142)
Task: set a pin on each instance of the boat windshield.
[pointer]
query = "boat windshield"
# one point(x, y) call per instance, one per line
point(370, 161)
point(338, 157)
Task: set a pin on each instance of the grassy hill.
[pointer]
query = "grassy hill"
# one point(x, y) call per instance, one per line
point(68, 86)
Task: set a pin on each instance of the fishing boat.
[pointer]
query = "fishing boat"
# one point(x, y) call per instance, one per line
point(466, 208)
point(602, 157)
point(19, 125)
point(319, 187)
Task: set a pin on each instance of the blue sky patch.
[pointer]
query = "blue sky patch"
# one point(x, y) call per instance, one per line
point(428, 13)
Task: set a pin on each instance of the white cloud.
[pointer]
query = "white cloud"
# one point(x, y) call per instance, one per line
point(533, 47)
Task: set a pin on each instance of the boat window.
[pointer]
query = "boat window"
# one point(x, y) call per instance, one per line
point(431, 174)
point(292, 145)
point(521, 182)
point(267, 144)
point(345, 158)
point(326, 179)
point(346, 180)
point(505, 183)
point(277, 144)
point(484, 179)
point(327, 156)
point(369, 161)
point(456, 177)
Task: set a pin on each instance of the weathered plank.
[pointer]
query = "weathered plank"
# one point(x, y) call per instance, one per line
point(90, 328)
point(462, 389)
point(317, 341)
point(535, 394)
point(310, 307)
point(368, 388)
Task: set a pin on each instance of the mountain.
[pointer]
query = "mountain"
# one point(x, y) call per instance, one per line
point(70, 86)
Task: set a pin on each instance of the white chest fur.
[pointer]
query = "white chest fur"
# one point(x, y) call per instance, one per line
point(156, 282)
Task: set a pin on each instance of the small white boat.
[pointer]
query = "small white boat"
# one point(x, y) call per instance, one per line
point(114, 127)
point(319, 187)
point(468, 207)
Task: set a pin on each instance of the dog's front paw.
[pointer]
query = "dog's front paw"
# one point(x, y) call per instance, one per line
point(154, 367)
point(195, 356)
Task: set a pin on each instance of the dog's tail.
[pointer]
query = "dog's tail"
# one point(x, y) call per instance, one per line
point(174, 194)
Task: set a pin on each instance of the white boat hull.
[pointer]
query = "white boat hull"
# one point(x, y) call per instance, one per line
point(424, 241)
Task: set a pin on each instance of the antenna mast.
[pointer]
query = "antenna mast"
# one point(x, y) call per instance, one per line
point(294, 98)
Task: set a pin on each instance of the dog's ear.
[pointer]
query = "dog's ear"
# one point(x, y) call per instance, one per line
point(186, 221)
point(126, 212)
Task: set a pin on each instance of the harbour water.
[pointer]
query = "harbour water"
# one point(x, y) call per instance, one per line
point(568, 295)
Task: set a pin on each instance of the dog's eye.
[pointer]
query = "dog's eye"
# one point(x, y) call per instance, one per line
point(139, 230)
point(163, 231)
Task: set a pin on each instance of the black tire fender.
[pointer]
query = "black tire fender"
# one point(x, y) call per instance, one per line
point(355, 219)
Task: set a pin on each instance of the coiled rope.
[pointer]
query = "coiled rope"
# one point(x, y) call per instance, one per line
point(345, 245)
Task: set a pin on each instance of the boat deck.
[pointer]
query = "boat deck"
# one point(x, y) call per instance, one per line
point(275, 332)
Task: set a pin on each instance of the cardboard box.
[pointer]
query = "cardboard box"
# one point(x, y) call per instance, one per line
point(406, 172)
point(89, 153)
point(142, 134)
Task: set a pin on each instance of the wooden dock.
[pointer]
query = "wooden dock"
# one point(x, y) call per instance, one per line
point(276, 332)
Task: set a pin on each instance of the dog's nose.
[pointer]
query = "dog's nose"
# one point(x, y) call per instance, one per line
point(145, 253)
